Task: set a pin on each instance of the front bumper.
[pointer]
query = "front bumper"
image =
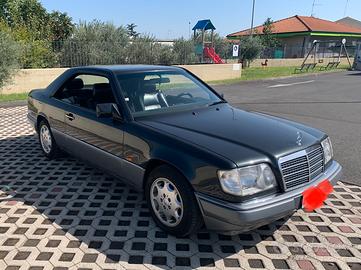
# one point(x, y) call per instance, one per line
point(231, 218)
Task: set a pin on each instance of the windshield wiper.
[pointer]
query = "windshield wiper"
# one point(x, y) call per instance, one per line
point(217, 102)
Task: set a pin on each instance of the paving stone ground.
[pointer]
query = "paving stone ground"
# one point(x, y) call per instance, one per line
point(66, 215)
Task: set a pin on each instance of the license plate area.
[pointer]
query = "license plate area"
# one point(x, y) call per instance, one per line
point(314, 197)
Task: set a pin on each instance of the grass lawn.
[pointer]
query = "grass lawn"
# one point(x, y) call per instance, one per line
point(257, 73)
point(13, 97)
point(248, 74)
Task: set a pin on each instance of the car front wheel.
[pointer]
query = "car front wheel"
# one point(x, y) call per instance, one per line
point(46, 139)
point(172, 202)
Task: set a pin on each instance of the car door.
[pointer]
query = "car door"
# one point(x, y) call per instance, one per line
point(98, 141)
point(56, 118)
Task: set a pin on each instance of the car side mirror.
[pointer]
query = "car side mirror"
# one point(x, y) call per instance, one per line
point(107, 110)
point(222, 96)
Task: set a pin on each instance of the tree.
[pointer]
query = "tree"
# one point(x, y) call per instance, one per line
point(35, 30)
point(268, 38)
point(250, 49)
point(61, 26)
point(131, 30)
point(9, 57)
point(26, 13)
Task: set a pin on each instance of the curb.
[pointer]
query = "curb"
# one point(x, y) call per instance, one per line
point(297, 75)
point(9, 104)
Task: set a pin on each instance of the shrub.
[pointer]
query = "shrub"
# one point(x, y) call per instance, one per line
point(94, 43)
point(37, 54)
point(146, 50)
point(250, 49)
point(140, 51)
point(184, 51)
point(163, 54)
point(9, 57)
point(222, 46)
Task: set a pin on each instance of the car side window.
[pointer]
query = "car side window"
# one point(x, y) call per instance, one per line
point(86, 91)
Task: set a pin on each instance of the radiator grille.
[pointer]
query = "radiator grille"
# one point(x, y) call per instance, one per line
point(302, 167)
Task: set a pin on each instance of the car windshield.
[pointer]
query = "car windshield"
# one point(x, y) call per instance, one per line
point(164, 91)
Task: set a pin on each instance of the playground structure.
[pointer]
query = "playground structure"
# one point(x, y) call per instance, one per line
point(205, 42)
point(334, 54)
point(357, 61)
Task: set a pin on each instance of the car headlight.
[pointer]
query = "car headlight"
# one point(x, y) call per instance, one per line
point(247, 180)
point(327, 149)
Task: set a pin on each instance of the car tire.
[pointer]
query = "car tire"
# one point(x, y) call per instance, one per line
point(47, 141)
point(172, 202)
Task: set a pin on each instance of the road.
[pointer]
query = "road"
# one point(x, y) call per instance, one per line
point(330, 102)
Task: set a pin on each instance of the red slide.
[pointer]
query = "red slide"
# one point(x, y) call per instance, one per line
point(210, 53)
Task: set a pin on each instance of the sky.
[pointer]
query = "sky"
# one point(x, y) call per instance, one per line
point(168, 19)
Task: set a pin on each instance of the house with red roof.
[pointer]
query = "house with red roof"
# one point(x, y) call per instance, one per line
point(350, 21)
point(296, 34)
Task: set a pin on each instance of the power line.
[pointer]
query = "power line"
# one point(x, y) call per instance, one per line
point(314, 4)
point(346, 6)
point(313, 8)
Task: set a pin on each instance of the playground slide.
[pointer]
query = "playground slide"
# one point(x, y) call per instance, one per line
point(210, 53)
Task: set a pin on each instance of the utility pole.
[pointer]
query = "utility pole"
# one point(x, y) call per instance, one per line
point(189, 30)
point(252, 21)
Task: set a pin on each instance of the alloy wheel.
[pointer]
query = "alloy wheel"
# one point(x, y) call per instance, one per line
point(45, 139)
point(166, 202)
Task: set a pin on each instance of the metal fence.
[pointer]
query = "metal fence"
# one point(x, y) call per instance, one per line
point(320, 52)
point(75, 53)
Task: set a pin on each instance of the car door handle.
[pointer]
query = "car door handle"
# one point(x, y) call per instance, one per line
point(70, 116)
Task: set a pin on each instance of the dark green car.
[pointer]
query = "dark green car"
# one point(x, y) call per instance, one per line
point(197, 159)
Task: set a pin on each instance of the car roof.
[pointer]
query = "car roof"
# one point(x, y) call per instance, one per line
point(130, 68)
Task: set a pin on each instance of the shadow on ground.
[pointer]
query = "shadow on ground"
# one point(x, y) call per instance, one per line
point(354, 74)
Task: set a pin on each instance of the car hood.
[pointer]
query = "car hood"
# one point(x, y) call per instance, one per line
point(236, 134)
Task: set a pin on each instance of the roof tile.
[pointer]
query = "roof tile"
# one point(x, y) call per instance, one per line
point(303, 24)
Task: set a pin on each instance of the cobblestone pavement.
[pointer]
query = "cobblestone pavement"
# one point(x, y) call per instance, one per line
point(66, 215)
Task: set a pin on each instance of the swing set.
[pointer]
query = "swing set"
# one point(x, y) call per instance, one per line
point(334, 60)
